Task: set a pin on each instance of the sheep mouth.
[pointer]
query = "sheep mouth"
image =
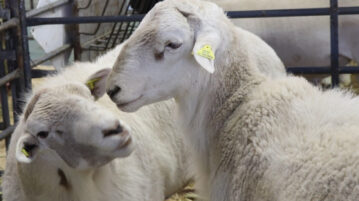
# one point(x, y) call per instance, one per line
point(126, 143)
point(122, 105)
point(118, 130)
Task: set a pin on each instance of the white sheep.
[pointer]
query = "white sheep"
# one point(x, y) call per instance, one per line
point(256, 138)
point(301, 41)
point(67, 147)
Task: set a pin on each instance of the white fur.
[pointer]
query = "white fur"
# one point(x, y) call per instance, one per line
point(256, 137)
point(157, 168)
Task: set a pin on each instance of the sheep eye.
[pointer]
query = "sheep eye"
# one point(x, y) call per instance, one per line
point(173, 45)
point(43, 134)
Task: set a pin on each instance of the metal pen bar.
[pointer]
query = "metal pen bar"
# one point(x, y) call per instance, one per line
point(5, 107)
point(13, 22)
point(98, 24)
point(348, 10)
point(35, 21)
point(119, 30)
point(279, 13)
point(7, 132)
point(38, 11)
point(32, 4)
point(322, 70)
point(348, 69)
point(25, 46)
point(334, 42)
point(308, 70)
point(7, 54)
point(15, 92)
point(4, 98)
point(5, 14)
point(291, 12)
point(17, 84)
point(9, 77)
point(37, 73)
point(51, 55)
point(333, 11)
point(115, 25)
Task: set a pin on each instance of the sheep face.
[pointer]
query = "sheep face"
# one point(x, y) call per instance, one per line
point(65, 119)
point(162, 59)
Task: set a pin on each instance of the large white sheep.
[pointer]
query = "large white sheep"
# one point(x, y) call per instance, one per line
point(256, 138)
point(301, 41)
point(67, 147)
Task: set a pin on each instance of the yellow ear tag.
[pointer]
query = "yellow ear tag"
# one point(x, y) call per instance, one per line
point(25, 152)
point(206, 52)
point(91, 83)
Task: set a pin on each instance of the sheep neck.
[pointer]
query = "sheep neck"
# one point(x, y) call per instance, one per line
point(82, 185)
point(205, 107)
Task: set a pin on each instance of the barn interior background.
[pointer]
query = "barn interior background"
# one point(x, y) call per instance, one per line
point(39, 37)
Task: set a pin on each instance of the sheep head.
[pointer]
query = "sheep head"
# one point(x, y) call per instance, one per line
point(66, 120)
point(174, 45)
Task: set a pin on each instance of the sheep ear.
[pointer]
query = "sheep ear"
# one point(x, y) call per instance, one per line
point(97, 82)
point(207, 40)
point(30, 106)
point(204, 50)
point(27, 148)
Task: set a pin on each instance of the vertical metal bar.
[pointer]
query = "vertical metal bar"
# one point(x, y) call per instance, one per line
point(334, 42)
point(132, 29)
point(15, 84)
point(11, 45)
point(119, 30)
point(15, 92)
point(15, 43)
point(114, 27)
point(127, 30)
point(4, 101)
point(123, 35)
point(74, 32)
point(4, 98)
point(25, 46)
point(31, 4)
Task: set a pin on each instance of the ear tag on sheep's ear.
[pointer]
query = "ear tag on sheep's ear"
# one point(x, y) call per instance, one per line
point(206, 52)
point(91, 83)
point(23, 150)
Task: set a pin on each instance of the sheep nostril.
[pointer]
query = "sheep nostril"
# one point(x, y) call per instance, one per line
point(29, 147)
point(115, 131)
point(112, 92)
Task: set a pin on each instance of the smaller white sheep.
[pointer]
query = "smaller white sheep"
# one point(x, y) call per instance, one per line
point(256, 137)
point(68, 147)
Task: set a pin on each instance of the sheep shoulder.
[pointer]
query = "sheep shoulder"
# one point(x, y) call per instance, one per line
point(281, 134)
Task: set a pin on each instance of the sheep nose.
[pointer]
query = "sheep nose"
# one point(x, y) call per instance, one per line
point(109, 132)
point(29, 147)
point(112, 92)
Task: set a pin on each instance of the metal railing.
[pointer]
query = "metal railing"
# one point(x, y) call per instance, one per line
point(15, 75)
point(333, 11)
